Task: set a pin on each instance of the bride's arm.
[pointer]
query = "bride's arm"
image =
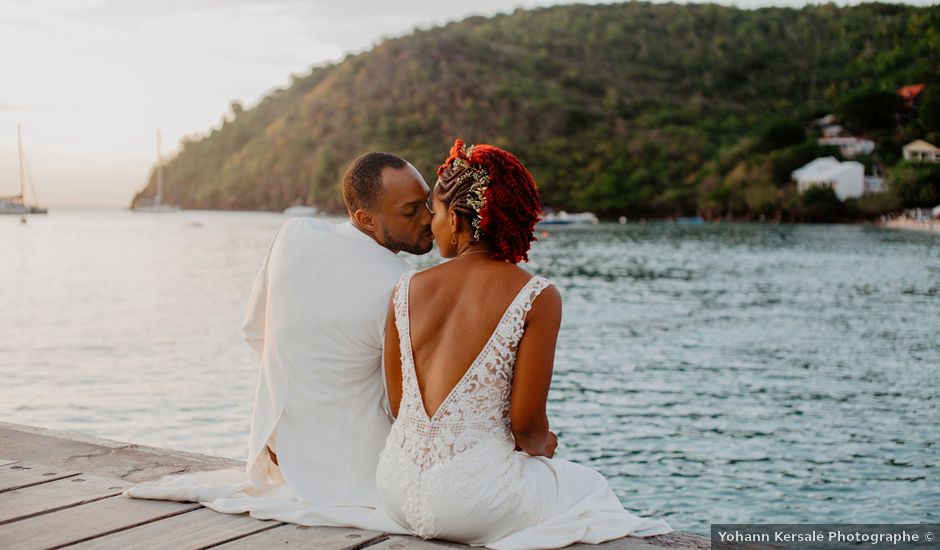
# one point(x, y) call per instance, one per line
point(533, 375)
point(392, 363)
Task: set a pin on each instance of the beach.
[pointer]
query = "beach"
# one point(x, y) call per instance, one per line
point(932, 226)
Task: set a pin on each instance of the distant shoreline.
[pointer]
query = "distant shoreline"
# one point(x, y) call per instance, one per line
point(932, 226)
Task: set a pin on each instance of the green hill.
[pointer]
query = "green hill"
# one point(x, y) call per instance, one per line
point(629, 109)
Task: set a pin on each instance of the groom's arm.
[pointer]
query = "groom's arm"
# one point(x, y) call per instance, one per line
point(255, 321)
point(253, 325)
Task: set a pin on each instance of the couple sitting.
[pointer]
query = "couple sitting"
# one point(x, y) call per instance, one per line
point(468, 354)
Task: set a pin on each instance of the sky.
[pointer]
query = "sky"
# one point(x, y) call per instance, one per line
point(92, 81)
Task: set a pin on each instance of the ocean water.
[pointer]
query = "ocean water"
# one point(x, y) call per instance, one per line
point(726, 373)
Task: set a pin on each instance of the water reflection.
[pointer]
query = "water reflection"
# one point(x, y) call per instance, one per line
point(716, 373)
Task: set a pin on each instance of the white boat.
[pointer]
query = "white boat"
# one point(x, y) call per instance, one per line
point(564, 218)
point(15, 204)
point(156, 203)
point(298, 211)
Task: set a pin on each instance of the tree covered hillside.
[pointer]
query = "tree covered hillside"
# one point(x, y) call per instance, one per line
point(628, 109)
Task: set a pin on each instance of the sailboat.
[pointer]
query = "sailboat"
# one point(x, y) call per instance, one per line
point(16, 204)
point(156, 204)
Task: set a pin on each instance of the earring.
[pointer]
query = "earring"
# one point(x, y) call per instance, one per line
point(453, 238)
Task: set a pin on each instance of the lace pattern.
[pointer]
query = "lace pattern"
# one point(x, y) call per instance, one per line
point(469, 435)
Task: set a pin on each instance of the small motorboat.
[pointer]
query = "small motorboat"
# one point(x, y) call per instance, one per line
point(564, 218)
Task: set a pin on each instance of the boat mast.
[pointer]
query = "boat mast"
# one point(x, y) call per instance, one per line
point(19, 144)
point(159, 197)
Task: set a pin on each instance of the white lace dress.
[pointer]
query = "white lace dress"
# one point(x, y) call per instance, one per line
point(457, 476)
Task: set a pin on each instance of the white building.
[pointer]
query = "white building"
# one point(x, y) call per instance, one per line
point(874, 184)
point(850, 146)
point(847, 178)
point(832, 130)
point(921, 151)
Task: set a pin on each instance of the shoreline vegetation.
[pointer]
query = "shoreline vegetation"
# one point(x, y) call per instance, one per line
point(632, 109)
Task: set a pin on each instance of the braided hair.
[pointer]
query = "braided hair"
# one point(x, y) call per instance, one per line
point(492, 190)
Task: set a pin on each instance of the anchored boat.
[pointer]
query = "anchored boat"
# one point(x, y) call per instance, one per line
point(156, 203)
point(564, 218)
point(16, 204)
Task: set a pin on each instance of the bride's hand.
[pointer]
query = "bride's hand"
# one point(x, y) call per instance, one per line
point(538, 446)
point(551, 444)
point(548, 448)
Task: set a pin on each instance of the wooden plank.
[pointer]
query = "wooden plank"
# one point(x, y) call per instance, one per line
point(199, 529)
point(21, 474)
point(29, 501)
point(300, 537)
point(87, 521)
point(396, 542)
point(93, 455)
point(675, 540)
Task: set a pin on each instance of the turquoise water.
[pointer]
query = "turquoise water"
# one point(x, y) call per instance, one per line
point(724, 373)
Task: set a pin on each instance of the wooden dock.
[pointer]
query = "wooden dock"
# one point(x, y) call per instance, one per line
point(64, 490)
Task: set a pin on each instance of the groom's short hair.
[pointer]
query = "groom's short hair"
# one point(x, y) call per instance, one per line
point(362, 183)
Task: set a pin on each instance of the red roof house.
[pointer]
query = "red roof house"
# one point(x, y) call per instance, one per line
point(909, 92)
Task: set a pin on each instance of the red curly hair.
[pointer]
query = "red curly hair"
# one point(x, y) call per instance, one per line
point(511, 203)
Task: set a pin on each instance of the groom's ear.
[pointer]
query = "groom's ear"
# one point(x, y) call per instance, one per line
point(364, 220)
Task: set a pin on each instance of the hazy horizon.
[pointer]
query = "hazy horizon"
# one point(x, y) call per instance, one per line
point(95, 79)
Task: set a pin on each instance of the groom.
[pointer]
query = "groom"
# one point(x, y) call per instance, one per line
point(316, 318)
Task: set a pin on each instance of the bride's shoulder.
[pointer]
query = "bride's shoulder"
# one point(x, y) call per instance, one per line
point(542, 281)
point(546, 294)
point(536, 291)
point(534, 279)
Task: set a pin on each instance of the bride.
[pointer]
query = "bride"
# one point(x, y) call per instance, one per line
point(469, 351)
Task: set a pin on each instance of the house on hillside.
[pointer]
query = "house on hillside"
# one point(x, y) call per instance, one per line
point(849, 146)
point(832, 130)
point(847, 178)
point(921, 151)
point(874, 184)
point(827, 125)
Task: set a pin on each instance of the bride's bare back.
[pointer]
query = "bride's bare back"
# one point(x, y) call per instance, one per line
point(454, 309)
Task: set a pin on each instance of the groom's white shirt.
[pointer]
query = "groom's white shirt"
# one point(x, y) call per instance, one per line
point(316, 318)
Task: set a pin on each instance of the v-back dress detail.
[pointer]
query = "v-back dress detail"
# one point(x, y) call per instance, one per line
point(456, 474)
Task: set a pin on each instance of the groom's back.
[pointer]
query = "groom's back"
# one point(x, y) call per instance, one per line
point(330, 289)
point(327, 287)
